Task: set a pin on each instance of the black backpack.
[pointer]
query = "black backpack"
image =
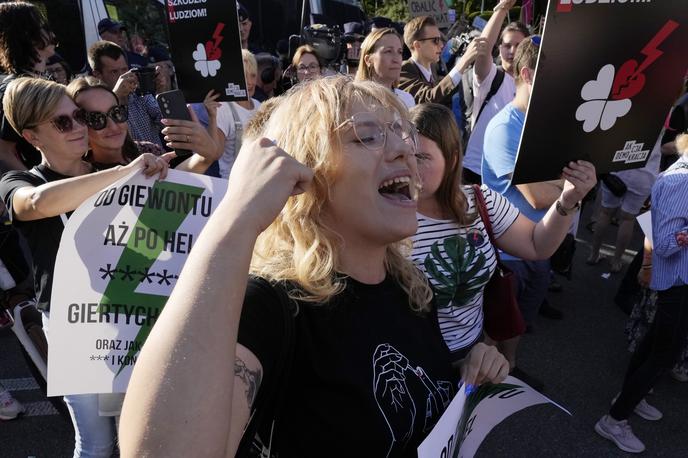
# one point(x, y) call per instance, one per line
point(468, 97)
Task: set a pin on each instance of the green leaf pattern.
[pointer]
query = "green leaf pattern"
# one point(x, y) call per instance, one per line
point(453, 266)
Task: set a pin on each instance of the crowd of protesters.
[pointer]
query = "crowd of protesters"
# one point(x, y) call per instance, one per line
point(364, 218)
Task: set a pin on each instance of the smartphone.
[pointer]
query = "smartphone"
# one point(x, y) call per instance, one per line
point(173, 106)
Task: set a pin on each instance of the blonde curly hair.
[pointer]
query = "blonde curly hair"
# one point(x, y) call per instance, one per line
point(298, 246)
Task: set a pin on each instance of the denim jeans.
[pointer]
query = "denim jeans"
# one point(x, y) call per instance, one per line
point(531, 282)
point(94, 436)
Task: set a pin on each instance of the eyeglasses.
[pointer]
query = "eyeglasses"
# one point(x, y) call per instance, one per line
point(372, 133)
point(435, 40)
point(312, 68)
point(97, 120)
point(65, 123)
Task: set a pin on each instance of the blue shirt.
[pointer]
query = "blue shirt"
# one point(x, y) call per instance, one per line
point(500, 147)
point(144, 118)
point(670, 216)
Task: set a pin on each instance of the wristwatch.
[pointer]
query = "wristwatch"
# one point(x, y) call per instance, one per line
point(566, 211)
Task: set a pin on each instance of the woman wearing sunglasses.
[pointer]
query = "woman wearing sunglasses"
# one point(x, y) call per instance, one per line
point(40, 200)
point(110, 143)
point(370, 374)
point(380, 61)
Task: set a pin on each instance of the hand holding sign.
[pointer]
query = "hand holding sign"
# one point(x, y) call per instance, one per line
point(580, 177)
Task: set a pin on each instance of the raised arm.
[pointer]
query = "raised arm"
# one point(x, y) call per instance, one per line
point(180, 400)
point(490, 33)
point(191, 135)
point(62, 196)
point(529, 240)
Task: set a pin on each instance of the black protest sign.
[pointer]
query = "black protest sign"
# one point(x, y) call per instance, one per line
point(607, 75)
point(206, 48)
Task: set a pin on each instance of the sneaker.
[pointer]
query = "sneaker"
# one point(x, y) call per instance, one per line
point(620, 433)
point(550, 312)
point(9, 407)
point(679, 375)
point(645, 410)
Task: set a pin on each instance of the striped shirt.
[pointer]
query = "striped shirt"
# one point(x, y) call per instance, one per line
point(669, 217)
point(459, 262)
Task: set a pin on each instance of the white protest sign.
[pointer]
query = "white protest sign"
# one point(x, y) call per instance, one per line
point(468, 419)
point(436, 8)
point(645, 221)
point(120, 256)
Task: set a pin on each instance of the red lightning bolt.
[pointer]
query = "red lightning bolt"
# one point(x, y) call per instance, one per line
point(651, 49)
point(218, 38)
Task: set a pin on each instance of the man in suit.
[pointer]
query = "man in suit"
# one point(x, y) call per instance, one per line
point(419, 73)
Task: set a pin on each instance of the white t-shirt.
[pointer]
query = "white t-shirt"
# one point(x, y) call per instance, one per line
point(225, 122)
point(406, 98)
point(459, 292)
point(505, 94)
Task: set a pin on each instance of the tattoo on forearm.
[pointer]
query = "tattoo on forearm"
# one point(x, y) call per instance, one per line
point(250, 378)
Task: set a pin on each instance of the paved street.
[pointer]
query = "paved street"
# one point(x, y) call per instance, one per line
point(582, 360)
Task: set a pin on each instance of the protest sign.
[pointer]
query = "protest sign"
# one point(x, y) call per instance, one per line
point(437, 9)
point(607, 75)
point(645, 222)
point(470, 417)
point(206, 49)
point(120, 255)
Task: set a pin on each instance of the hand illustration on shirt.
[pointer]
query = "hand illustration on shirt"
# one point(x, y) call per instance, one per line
point(439, 396)
point(390, 369)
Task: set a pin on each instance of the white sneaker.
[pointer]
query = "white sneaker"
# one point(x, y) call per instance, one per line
point(9, 407)
point(645, 410)
point(620, 433)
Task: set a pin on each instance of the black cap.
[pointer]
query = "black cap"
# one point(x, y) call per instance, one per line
point(242, 12)
point(107, 24)
point(381, 22)
point(158, 53)
point(354, 28)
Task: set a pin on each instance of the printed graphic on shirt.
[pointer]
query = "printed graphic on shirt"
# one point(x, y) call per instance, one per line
point(455, 275)
point(398, 386)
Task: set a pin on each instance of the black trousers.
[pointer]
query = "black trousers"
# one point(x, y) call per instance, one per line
point(657, 352)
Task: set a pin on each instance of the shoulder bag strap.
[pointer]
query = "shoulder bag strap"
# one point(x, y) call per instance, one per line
point(482, 210)
point(238, 129)
point(494, 87)
point(36, 172)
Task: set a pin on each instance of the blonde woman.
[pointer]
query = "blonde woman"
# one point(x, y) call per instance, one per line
point(328, 219)
point(381, 59)
point(232, 117)
point(40, 200)
point(306, 64)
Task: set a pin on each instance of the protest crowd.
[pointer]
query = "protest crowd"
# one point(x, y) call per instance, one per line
point(369, 217)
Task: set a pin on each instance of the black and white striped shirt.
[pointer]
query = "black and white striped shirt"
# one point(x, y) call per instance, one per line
point(465, 264)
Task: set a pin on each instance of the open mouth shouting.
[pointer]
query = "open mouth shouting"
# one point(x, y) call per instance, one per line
point(401, 189)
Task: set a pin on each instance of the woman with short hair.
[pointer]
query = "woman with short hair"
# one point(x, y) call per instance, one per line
point(306, 63)
point(40, 201)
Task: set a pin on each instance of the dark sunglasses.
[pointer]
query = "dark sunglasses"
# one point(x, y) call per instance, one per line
point(435, 40)
point(97, 120)
point(65, 123)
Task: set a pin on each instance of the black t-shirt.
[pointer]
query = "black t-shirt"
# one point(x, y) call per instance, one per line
point(29, 155)
point(370, 377)
point(42, 235)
